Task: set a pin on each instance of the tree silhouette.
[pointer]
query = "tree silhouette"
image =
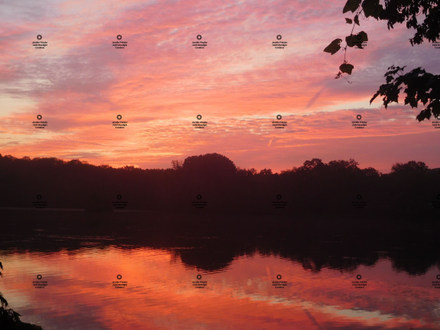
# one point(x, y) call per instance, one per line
point(210, 165)
point(411, 166)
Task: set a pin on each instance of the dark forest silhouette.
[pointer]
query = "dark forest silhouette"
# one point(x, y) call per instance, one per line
point(212, 184)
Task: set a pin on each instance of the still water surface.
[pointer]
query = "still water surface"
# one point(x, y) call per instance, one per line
point(160, 292)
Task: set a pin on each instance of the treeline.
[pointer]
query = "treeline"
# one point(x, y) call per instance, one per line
point(211, 183)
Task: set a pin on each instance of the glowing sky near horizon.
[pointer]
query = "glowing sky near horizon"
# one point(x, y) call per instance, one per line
point(239, 83)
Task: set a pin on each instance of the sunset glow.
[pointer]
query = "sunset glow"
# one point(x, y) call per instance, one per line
point(239, 83)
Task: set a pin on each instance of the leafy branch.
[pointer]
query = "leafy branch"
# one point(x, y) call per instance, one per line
point(393, 11)
point(419, 86)
point(367, 8)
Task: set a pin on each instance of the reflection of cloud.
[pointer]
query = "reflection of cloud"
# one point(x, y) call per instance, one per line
point(82, 279)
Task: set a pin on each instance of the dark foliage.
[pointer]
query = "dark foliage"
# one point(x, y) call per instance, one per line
point(314, 188)
point(420, 15)
point(418, 85)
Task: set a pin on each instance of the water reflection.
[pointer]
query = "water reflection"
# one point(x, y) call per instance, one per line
point(160, 295)
point(160, 265)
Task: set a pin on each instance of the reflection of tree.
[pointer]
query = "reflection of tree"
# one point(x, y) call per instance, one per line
point(10, 319)
point(211, 242)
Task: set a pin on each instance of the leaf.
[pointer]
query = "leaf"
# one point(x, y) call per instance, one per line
point(356, 39)
point(362, 36)
point(351, 40)
point(356, 20)
point(351, 5)
point(424, 114)
point(346, 68)
point(3, 301)
point(372, 8)
point(334, 46)
point(348, 21)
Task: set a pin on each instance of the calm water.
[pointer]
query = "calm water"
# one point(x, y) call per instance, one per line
point(160, 293)
point(251, 277)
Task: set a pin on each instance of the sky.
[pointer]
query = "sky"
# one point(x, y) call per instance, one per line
point(239, 83)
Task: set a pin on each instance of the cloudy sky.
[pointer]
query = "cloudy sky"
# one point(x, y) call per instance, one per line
point(79, 83)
